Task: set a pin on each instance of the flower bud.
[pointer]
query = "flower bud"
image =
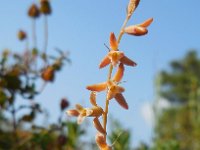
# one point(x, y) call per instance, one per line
point(101, 142)
point(64, 103)
point(45, 7)
point(136, 30)
point(33, 11)
point(22, 35)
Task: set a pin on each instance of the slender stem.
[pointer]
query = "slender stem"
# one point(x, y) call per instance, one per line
point(122, 29)
point(34, 33)
point(45, 33)
point(105, 116)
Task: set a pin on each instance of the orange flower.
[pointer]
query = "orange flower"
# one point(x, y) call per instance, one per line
point(140, 29)
point(114, 90)
point(115, 56)
point(82, 113)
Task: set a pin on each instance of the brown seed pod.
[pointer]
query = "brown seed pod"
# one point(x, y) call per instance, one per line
point(34, 11)
point(64, 103)
point(48, 74)
point(45, 7)
point(22, 35)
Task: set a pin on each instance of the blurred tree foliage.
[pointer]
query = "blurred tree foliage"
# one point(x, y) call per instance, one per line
point(23, 76)
point(178, 127)
point(120, 137)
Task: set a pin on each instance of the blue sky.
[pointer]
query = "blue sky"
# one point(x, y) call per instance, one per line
point(82, 28)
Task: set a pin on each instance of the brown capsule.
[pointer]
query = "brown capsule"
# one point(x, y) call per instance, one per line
point(48, 74)
point(64, 103)
point(45, 7)
point(34, 11)
point(22, 35)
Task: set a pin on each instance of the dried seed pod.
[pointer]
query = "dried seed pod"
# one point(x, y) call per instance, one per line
point(22, 35)
point(45, 7)
point(98, 126)
point(48, 74)
point(34, 11)
point(64, 103)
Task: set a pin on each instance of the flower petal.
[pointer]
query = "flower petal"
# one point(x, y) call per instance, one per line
point(97, 87)
point(121, 100)
point(93, 98)
point(95, 111)
point(113, 42)
point(73, 112)
point(98, 126)
point(125, 60)
point(146, 23)
point(119, 74)
point(80, 119)
point(79, 107)
point(104, 62)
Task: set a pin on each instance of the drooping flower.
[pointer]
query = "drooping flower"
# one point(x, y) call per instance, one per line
point(82, 112)
point(114, 90)
point(115, 56)
point(140, 29)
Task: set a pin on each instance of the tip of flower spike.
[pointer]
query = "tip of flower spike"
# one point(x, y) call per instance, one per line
point(113, 42)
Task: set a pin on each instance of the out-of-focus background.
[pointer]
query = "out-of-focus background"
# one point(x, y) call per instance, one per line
point(163, 90)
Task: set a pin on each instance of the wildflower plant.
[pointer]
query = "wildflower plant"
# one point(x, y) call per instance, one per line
point(115, 59)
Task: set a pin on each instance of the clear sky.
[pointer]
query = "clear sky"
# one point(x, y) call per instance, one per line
point(82, 27)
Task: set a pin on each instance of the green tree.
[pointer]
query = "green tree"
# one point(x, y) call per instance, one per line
point(178, 127)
